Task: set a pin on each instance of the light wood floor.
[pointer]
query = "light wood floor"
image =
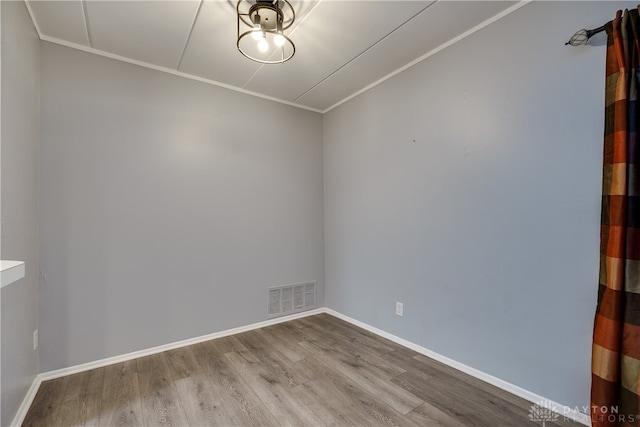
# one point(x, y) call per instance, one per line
point(313, 371)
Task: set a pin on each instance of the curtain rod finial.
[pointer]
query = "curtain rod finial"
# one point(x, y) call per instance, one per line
point(579, 38)
point(582, 36)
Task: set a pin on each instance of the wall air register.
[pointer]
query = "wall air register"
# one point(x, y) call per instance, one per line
point(291, 299)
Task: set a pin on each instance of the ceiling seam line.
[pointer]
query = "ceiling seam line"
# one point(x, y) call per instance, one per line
point(186, 43)
point(291, 33)
point(86, 22)
point(366, 50)
point(519, 4)
point(94, 51)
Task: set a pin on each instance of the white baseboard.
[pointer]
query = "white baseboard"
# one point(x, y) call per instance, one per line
point(564, 410)
point(45, 376)
point(26, 402)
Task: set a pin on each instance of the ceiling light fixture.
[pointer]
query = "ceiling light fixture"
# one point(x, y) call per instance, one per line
point(261, 25)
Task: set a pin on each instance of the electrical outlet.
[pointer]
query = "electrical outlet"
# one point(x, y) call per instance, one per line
point(35, 339)
point(399, 309)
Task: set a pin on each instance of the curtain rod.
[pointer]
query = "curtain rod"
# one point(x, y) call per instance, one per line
point(583, 36)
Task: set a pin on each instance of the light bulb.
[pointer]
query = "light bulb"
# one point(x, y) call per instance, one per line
point(257, 28)
point(278, 40)
point(257, 34)
point(263, 46)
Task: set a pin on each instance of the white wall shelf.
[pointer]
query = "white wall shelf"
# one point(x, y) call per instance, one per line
point(10, 271)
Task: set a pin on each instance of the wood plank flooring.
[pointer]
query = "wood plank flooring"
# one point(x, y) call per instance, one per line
point(314, 371)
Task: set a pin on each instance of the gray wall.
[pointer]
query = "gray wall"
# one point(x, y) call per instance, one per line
point(468, 188)
point(168, 206)
point(19, 211)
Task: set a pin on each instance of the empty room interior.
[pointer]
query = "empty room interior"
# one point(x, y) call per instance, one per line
point(399, 224)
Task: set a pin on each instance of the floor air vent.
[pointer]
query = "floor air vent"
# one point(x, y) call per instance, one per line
point(291, 299)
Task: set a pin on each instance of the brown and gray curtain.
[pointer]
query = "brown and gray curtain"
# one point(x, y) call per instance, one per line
point(615, 387)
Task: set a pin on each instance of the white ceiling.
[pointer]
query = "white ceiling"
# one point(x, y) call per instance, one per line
point(342, 46)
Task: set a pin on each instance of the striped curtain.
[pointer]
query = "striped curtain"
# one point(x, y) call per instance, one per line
point(615, 385)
